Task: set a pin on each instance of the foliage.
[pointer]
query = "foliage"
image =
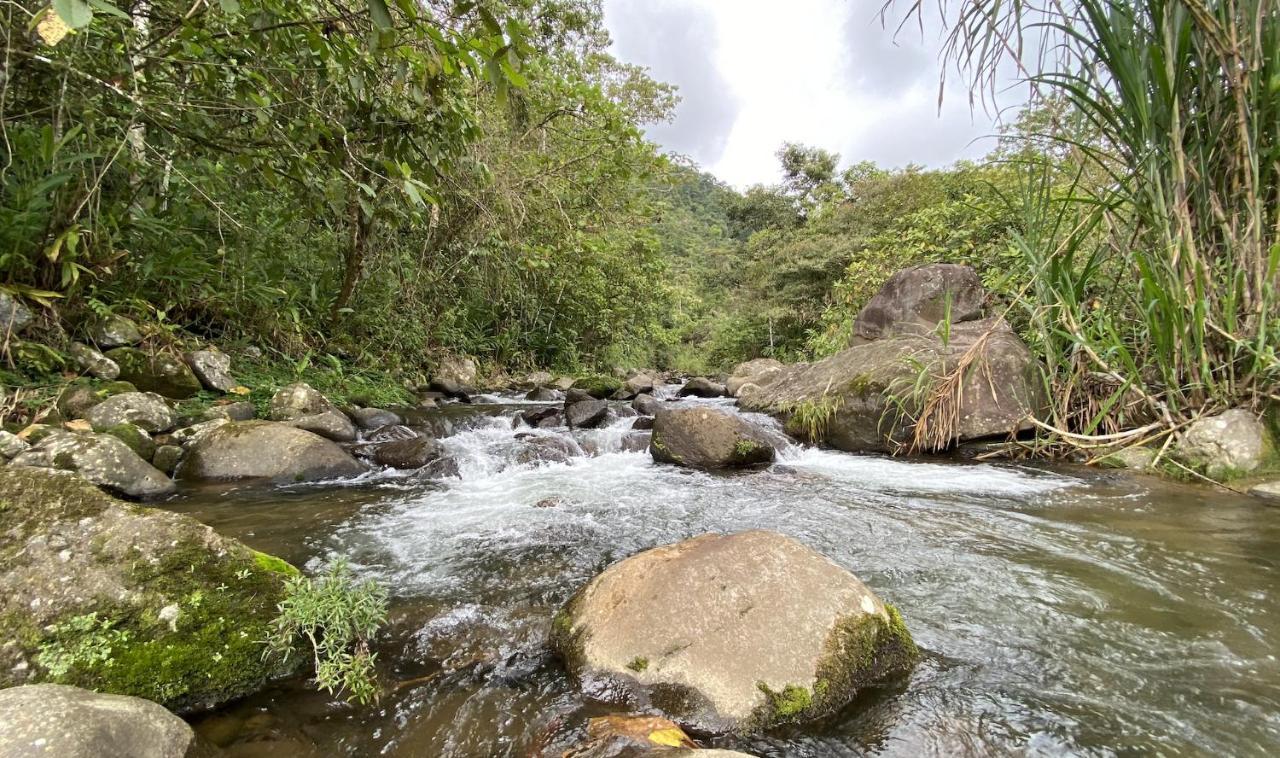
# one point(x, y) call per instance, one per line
point(79, 641)
point(338, 618)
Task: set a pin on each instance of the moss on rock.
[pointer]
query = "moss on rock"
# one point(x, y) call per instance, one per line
point(179, 613)
point(598, 386)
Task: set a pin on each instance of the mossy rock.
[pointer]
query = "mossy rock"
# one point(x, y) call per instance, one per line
point(160, 373)
point(138, 440)
point(599, 386)
point(131, 600)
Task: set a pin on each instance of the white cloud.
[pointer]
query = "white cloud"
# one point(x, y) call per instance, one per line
point(757, 73)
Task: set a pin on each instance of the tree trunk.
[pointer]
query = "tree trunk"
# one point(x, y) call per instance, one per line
point(361, 227)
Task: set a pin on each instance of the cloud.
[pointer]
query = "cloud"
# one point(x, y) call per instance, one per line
point(880, 58)
point(677, 41)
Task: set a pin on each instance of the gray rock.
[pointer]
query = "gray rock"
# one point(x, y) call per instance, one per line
point(264, 450)
point(647, 404)
point(190, 435)
point(114, 331)
point(160, 372)
point(77, 399)
point(136, 438)
point(11, 445)
point(702, 387)
point(93, 363)
point(1134, 458)
point(642, 423)
point(542, 418)
point(760, 372)
point(166, 458)
point(862, 399)
point(373, 418)
point(14, 316)
point(920, 296)
point(564, 383)
point(456, 370)
point(296, 400)
point(238, 411)
point(1267, 491)
point(535, 379)
point(332, 424)
point(213, 369)
point(707, 438)
point(638, 384)
point(548, 449)
point(586, 414)
point(1229, 445)
point(69, 722)
point(102, 460)
point(768, 632)
point(410, 453)
point(146, 410)
point(543, 395)
point(178, 612)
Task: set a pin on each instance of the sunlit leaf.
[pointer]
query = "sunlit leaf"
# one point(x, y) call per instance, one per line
point(76, 13)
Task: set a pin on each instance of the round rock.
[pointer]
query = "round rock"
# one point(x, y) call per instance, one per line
point(263, 450)
point(69, 722)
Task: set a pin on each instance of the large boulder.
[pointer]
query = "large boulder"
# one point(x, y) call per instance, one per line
point(865, 397)
point(101, 594)
point(707, 438)
point(922, 296)
point(159, 372)
point(456, 370)
point(114, 331)
point(14, 316)
point(731, 633)
point(646, 405)
point(410, 453)
point(759, 372)
point(374, 418)
point(702, 387)
point(69, 722)
point(213, 368)
point(101, 459)
point(262, 450)
point(1229, 445)
point(332, 424)
point(599, 386)
point(586, 414)
point(145, 410)
point(92, 362)
point(297, 400)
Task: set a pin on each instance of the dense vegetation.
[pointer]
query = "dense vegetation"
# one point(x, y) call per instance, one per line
point(386, 185)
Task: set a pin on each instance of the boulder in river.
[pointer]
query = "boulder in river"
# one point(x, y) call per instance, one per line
point(922, 296)
point(93, 362)
point(101, 594)
point(332, 424)
point(646, 405)
point(101, 459)
point(731, 633)
point(865, 397)
point(541, 418)
point(702, 387)
point(759, 372)
point(263, 450)
point(543, 395)
point(707, 438)
point(1229, 445)
point(114, 331)
point(155, 372)
point(373, 418)
point(411, 453)
point(600, 387)
point(68, 722)
point(146, 410)
point(586, 414)
point(213, 368)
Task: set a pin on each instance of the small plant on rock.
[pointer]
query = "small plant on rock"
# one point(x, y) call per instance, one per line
point(338, 618)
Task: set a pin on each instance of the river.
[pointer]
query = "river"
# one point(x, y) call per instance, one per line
point(1062, 611)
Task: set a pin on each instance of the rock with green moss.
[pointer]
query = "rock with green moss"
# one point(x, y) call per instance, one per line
point(137, 439)
point(92, 362)
point(161, 373)
point(600, 387)
point(145, 410)
point(1230, 445)
point(101, 459)
point(101, 594)
point(731, 633)
point(707, 438)
point(114, 331)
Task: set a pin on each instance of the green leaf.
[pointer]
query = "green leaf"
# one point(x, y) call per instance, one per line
point(74, 13)
point(230, 7)
point(380, 15)
point(490, 23)
point(109, 9)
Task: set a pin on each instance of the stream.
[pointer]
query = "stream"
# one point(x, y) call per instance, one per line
point(1062, 611)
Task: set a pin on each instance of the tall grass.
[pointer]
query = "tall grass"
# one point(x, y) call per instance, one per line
point(1155, 271)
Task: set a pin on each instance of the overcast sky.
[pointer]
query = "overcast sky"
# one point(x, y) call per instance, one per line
point(755, 73)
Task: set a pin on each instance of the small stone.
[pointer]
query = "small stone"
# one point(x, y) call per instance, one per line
point(93, 363)
point(373, 418)
point(239, 411)
point(213, 368)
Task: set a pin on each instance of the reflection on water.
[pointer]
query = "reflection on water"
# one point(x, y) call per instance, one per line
point(1063, 611)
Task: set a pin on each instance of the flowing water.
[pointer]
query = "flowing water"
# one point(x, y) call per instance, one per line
point(1061, 611)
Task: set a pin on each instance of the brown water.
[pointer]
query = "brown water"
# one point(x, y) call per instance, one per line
point(1064, 612)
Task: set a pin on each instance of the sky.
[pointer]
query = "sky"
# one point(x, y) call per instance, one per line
point(753, 74)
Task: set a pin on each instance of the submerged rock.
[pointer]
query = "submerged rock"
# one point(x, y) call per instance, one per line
point(145, 410)
point(922, 296)
point(213, 368)
point(69, 722)
point(160, 372)
point(264, 450)
point(864, 398)
point(707, 438)
point(102, 459)
point(98, 593)
point(731, 633)
point(1229, 445)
